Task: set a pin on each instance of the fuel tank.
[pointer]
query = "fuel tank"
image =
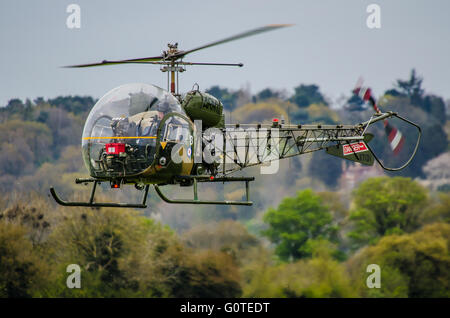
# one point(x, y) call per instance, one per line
point(205, 107)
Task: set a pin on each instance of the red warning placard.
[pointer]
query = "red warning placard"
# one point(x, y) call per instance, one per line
point(354, 148)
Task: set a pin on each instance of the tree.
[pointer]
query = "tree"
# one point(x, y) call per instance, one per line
point(228, 99)
point(100, 242)
point(260, 112)
point(24, 143)
point(297, 223)
point(439, 210)
point(125, 255)
point(226, 236)
point(384, 206)
point(412, 265)
point(19, 269)
point(432, 143)
point(306, 95)
point(31, 217)
point(435, 106)
point(205, 274)
point(326, 168)
point(411, 88)
point(319, 113)
point(320, 276)
point(355, 103)
point(266, 93)
point(73, 104)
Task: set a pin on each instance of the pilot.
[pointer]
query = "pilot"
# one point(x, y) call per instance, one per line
point(121, 127)
point(162, 108)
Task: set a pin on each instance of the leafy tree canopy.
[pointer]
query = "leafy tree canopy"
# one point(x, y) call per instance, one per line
point(412, 265)
point(296, 223)
point(384, 206)
point(306, 95)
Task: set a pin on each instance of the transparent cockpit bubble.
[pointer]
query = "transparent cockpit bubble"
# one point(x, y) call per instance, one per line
point(394, 141)
point(126, 119)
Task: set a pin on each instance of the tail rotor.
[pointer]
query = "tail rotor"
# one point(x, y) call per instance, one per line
point(395, 137)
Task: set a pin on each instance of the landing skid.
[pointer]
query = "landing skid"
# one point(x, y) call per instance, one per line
point(195, 200)
point(93, 204)
point(143, 205)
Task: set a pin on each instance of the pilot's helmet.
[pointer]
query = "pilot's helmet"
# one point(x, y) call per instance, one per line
point(163, 107)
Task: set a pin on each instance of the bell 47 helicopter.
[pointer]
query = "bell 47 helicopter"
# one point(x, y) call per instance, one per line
point(144, 135)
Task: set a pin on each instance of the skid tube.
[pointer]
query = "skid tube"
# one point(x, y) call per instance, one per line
point(197, 179)
point(93, 204)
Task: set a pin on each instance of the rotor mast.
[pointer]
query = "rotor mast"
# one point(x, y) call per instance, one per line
point(173, 68)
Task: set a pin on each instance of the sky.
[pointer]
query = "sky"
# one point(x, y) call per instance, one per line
point(329, 45)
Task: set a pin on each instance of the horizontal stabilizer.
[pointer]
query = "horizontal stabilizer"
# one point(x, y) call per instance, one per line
point(355, 151)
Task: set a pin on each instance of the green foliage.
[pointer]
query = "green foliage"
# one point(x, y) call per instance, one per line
point(24, 145)
point(384, 206)
point(20, 269)
point(228, 98)
point(435, 106)
point(411, 88)
point(227, 236)
point(355, 103)
point(121, 254)
point(296, 223)
point(73, 104)
point(260, 112)
point(412, 265)
point(432, 143)
point(265, 94)
point(321, 276)
point(205, 274)
point(409, 100)
point(326, 168)
point(306, 95)
point(438, 211)
point(320, 113)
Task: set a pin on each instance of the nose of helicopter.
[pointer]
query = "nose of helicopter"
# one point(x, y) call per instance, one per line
point(120, 134)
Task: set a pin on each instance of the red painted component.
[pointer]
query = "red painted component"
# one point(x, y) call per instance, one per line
point(114, 148)
point(275, 120)
point(211, 178)
point(354, 148)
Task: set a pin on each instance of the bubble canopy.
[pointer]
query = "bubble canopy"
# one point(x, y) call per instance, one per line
point(119, 136)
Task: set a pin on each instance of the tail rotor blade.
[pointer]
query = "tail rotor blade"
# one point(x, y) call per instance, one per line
point(395, 137)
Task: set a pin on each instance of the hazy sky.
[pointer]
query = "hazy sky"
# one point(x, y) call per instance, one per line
point(330, 44)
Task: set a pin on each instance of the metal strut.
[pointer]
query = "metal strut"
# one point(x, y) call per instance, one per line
point(93, 204)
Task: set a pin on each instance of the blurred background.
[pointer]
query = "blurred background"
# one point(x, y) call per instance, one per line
point(315, 226)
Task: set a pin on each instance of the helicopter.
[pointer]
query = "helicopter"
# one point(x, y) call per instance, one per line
point(140, 134)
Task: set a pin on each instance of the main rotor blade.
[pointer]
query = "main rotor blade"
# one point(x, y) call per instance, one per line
point(232, 38)
point(212, 64)
point(105, 62)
